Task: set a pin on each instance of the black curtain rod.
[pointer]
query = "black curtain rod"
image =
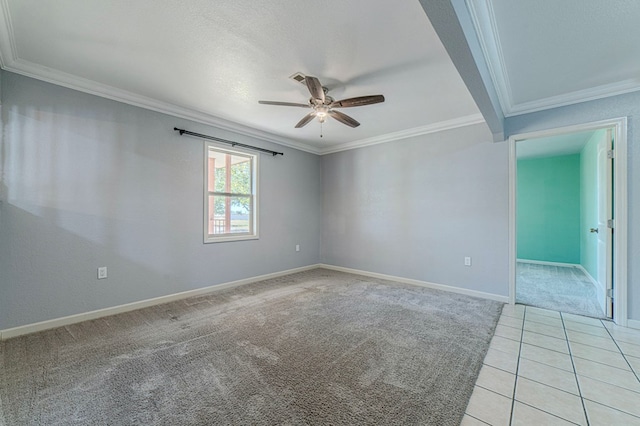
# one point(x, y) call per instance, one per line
point(213, 138)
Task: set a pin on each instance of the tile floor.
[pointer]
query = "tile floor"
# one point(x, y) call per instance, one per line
point(550, 368)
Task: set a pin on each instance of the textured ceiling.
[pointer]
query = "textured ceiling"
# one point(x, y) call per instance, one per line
point(213, 60)
point(547, 53)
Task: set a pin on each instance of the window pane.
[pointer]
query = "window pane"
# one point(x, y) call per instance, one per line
point(241, 177)
point(229, 215)
point(229, 173)
point(230, 195)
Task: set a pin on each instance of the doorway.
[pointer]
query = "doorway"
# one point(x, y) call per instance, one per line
point(568, 219)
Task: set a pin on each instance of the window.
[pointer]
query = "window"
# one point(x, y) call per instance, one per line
point(231, 196)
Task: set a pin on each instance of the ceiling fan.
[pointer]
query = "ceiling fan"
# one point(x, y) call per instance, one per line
point(323, 105)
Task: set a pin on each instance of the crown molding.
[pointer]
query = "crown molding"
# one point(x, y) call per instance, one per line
point(484, 21)
point(70, 81)
point(10, 61)
point(576, 97)
point(409, 133)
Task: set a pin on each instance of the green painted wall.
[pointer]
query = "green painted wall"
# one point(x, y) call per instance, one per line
point(548, 210)
point(589, 203)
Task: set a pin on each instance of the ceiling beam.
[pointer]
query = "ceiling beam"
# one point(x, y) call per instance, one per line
point(452, 22)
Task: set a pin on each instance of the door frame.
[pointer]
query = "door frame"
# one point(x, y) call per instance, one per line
point(619, 126)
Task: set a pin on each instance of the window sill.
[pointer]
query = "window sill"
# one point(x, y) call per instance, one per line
point(229, 238)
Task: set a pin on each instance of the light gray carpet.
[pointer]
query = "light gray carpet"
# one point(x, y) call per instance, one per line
point(560, 288)
point(319, 347)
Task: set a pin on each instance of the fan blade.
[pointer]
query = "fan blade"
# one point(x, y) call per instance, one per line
point(343, 118)
point(306, 119)
point(283, 104)
point(359, 101)
point(315, 88)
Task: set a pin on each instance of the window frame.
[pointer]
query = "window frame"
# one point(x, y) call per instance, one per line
point(221, 238)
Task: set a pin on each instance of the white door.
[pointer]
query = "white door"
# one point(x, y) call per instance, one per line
point(605, 212)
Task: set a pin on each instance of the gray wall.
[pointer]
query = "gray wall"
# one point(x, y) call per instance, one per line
point(602, 109)
point(415, 208)
point(90, 182)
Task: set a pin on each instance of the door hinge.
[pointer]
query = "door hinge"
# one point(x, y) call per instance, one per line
point(610, 154)
point(610, 293)
point(610, 223)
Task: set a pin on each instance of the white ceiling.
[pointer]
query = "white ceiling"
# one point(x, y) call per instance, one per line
point(548, 53)
point(553, 146)
point(212, 61)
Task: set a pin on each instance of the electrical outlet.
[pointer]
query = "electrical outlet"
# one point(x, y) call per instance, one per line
point(102, 272)
point(297, 247)
point(467, 261)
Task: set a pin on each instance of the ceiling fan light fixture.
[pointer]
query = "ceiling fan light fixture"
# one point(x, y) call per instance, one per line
point(321, 113)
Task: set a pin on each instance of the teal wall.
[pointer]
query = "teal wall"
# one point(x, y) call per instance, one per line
point(548, 210)
point(589, 203)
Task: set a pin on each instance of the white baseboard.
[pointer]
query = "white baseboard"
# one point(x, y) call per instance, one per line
point(85, 316)
point(544, 262)
point(419, 283)
point(73, 319)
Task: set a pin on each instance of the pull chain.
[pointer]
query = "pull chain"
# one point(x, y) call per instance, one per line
point(321, 129)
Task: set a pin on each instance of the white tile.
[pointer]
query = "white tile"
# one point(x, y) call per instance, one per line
point(501, 360)
point(610, 395)
point(548, 330)
point(516, 311)
point(630, 349)
point(623, 334)
point(525, 415)
point(543, 319)
point(551, 400)
point(547, 342)
point(601, 415)
point(635, 364)
point(489, 407)
point(615, 327)
point(505, 345)
point(581, 319)
point(606, 343)
point(586, 328)
point(496, 380)
point(508, 332)
point(615, 376)
point(540, 311)
point(510, 321)
point(613, 359)
point(551, 376)
point(546, 356)
point(467, 420)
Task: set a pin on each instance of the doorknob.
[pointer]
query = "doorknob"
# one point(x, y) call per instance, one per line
point(593, 230)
